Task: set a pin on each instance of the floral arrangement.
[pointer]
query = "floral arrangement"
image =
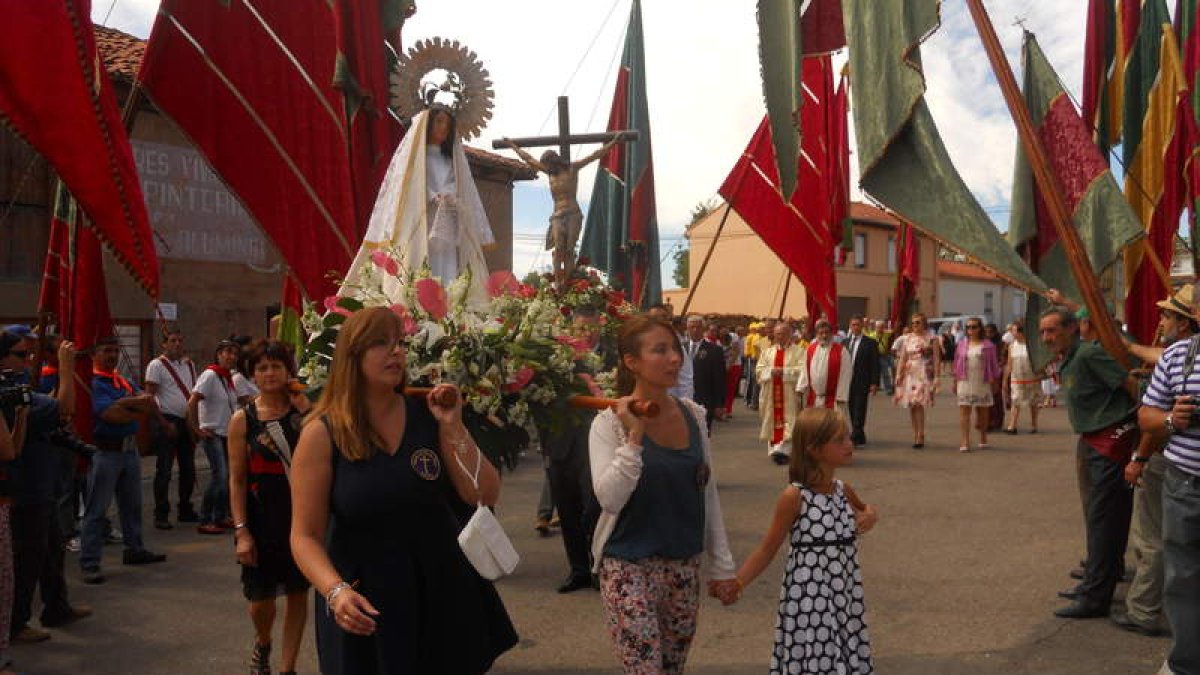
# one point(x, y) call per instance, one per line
point(515, 357)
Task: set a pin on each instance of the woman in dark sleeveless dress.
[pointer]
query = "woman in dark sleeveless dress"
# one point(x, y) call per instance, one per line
point(380, 473)
point(261, 439)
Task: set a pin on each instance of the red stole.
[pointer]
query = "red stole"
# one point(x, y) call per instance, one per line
point(831, 380)
point(777, 413)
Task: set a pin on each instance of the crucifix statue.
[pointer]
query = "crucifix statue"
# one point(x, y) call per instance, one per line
point(567, 219)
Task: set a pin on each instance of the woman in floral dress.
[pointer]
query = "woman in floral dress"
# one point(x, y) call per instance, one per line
point(916, 375)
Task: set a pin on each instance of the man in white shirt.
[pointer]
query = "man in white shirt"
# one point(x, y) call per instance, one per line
point(213, 401)
point(825, 376)
point(169, 379)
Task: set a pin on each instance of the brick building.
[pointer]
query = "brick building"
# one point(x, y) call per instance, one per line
point(220, 274)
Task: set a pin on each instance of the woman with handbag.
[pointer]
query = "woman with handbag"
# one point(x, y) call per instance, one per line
point(385, 476)
point(660, 511)
point(261, 438)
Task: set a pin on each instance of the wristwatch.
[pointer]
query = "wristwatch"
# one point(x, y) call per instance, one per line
point(1139, 459)
point(1169, 424)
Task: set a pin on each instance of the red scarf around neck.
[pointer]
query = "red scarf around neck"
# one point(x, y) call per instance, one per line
point(225, 374)
point(118, 381)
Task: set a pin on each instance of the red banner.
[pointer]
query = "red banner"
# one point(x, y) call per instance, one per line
point(55, 95)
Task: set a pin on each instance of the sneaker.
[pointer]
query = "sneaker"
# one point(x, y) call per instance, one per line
point(29, 634)
point(92, 575)
point(72, 615)
point(260, 659)
point(210, 528)
point(142, 557)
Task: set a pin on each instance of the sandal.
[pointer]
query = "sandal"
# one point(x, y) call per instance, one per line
point(260, 659)
point(964, 448)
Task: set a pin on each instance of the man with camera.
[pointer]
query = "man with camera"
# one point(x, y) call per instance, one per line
point(37, 540)
point(116, 469)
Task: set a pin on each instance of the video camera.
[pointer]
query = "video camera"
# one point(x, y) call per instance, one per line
point(13, 393)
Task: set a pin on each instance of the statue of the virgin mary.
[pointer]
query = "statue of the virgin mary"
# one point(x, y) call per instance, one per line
point(428, 211)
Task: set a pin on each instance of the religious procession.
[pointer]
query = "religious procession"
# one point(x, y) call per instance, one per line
point(302, 284)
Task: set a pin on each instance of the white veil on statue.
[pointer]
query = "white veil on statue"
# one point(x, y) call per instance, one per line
point(404, 216)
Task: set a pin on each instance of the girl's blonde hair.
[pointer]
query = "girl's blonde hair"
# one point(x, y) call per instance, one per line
point(814, 428)
point(343, 402)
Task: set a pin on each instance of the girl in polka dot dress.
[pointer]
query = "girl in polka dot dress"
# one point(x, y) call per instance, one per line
point(821, 626)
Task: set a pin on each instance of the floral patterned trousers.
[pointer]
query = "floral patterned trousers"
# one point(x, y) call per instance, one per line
point(652, 606)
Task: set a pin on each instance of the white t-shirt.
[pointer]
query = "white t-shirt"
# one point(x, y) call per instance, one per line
point(243, 386)
point(218, 404)
point(171, 399)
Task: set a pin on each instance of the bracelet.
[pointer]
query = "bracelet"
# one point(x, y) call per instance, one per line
point(332, 594)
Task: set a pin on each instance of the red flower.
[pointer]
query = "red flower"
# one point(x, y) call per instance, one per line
point(385, 262)
point(523, 377)
point(432, 297)
point(502, 283)
point(566, 311)
point(331, 305)
point(526, 291)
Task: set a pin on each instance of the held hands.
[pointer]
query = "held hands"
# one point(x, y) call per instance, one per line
point(636, 426)
point(246, 551)
point(866, 518)
point(1133, 473)
point(726, 590)
point(1181, 414)
point(353, 613)
point(437, 398)
point(66, 354)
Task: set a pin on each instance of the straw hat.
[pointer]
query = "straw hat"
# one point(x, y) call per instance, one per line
point(1181, 302)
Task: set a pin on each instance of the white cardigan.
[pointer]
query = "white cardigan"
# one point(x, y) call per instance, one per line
point(616, 468)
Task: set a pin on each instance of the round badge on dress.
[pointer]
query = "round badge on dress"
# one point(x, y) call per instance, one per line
point(427, 464)
point(703, 473)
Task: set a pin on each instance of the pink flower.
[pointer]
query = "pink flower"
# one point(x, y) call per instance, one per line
point(502, 283)
point(580, 345)
point(591, 384)
point(526, 291)
point(410, 326)
point(521, 379)
point(385, 262)
point(331, 305)
point(432, 297)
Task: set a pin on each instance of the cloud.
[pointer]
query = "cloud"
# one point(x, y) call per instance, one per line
point(704, 87)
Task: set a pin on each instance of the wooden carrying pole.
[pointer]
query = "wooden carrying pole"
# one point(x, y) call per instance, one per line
point(1085, 277)
point(707, 256)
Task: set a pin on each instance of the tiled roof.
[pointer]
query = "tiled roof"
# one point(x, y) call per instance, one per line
point(964, 270)
point(870, 213)
point(122, 54)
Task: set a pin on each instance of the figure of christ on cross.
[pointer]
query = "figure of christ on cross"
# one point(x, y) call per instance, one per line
point(566, 221)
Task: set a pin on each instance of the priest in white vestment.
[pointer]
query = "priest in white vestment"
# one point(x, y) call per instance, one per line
point(777, 372)
point(824, 380)
point(429, 212)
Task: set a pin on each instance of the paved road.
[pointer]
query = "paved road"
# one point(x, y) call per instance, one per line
point(960, 573)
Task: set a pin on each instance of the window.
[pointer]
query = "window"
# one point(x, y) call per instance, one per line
point(860, 250)
point(891, 253)
point(988, 303)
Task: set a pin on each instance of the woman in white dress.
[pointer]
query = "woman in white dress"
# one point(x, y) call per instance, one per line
point(1023, 384)
point(975, 369)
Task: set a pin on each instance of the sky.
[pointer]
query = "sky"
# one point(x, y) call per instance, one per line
point(704, 91)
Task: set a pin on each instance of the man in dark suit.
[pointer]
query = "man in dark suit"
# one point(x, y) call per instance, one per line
point(566, 456)
point(708, 368)
point(864, 379)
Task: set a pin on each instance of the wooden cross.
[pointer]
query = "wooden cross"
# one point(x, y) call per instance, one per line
point(564, 140)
